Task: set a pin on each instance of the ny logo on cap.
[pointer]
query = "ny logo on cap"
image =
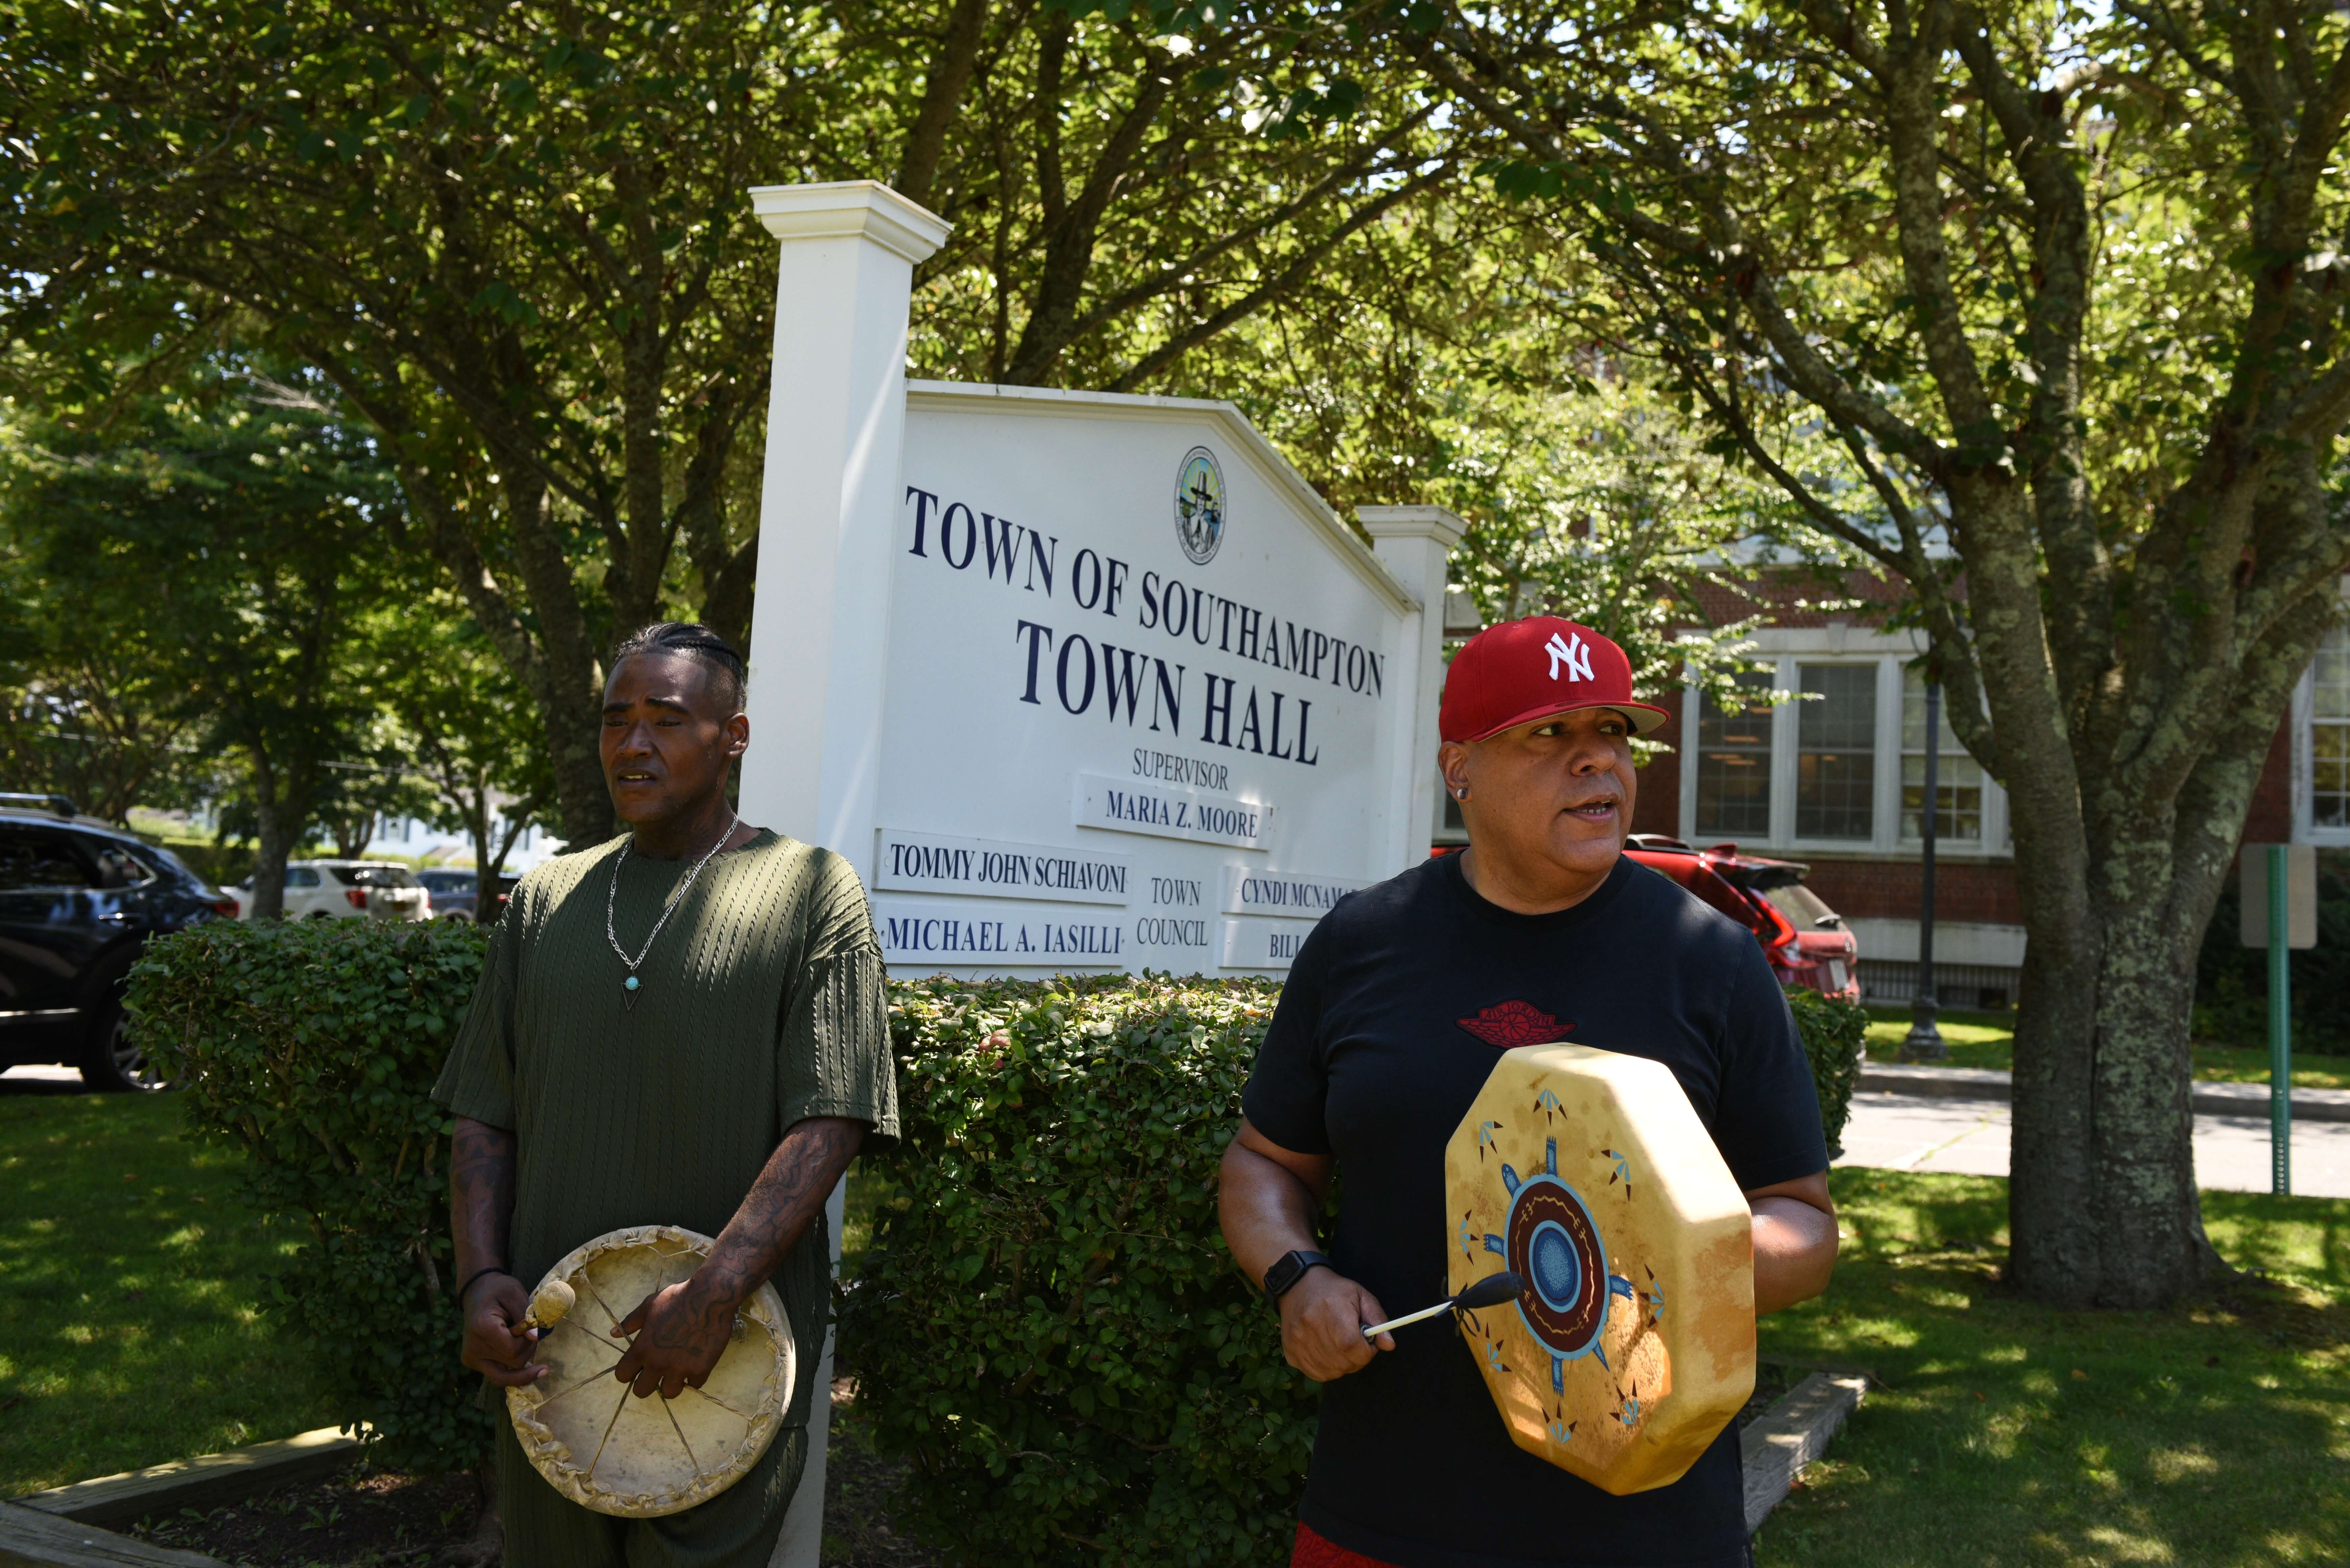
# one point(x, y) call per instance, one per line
point(1574, 655)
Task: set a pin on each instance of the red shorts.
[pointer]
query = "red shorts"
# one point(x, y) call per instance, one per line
point(1313, 1551)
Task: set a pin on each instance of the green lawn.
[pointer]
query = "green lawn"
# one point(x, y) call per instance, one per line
point(131, 1281)
point(2002, 1433)
point(1988, 1040)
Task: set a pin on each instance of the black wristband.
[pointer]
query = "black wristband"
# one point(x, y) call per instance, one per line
point(1288, 1270)
point(477, 1273)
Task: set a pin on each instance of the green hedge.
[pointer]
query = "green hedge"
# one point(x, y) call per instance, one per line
point(1047, 1319)
point(1836, 1033)
point(314, 1044)
point(2231, 980)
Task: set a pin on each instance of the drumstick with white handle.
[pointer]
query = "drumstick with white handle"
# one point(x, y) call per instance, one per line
point(1490, 1290)
point(549, 1304)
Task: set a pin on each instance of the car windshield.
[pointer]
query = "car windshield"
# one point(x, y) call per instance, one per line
point(1805, 909)
point(374, 875)
point(447, 881)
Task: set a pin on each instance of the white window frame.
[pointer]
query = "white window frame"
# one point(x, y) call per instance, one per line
point(1691, 715)
point(1782, 649)
point(2305, 766)
point(1994, 822)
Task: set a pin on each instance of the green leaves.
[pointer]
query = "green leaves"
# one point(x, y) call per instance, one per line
point(500, 299)
point(1531, 180)
point(1046, 1317)
point(1834, 1031)
point(314, 1046)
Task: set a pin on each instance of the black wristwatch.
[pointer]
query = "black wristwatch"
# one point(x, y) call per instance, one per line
point(1289, 1271)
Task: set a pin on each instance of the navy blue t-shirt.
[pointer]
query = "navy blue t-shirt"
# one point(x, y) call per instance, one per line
point(1367, 1060)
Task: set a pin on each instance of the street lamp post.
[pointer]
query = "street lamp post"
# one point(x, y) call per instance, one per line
point(1924, 1041)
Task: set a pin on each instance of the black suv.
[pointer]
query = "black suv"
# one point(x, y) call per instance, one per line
point(79, 899)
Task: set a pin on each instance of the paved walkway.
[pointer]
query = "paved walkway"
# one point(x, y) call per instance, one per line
point(1911, 1132)
point(42, 1081)
point(1899, 1132)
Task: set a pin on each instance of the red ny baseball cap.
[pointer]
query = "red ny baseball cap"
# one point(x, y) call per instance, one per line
point(1522, 671)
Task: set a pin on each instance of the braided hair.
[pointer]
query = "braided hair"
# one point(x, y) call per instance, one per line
point(728, 677)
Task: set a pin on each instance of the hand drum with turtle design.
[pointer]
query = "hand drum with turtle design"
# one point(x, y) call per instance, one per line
point(1633, 1342)
point(593, 1440)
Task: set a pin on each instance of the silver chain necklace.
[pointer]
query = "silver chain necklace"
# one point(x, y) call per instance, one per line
point(611, 898)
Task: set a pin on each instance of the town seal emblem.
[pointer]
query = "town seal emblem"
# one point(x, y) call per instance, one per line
point(1199, 505)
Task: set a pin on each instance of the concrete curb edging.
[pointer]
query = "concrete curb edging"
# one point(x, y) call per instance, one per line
point(32, 1539)
point(2207, 1099)
point(1791, 1434)
point(205, 1481)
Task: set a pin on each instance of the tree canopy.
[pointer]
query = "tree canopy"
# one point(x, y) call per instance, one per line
point(2060, 290)
point(515, 240)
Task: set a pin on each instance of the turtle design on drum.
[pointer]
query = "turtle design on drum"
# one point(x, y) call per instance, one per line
point(1552, 1238)
point(1587, 1173)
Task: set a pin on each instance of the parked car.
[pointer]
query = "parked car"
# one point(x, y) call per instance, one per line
point(453, 896)
point(78, 900)
point(345, 889)
point(1806, 943)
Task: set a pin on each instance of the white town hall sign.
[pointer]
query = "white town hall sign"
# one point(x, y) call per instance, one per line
point(1079, 681)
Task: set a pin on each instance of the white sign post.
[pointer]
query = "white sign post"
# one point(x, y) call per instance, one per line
point(1078, 682)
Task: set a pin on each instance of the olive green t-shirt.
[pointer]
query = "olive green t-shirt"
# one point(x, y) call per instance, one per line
point(760, 1003)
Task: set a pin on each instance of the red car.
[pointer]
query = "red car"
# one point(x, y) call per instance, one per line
point(1806, 940)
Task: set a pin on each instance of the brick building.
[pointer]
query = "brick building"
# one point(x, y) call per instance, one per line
point(1837, 781)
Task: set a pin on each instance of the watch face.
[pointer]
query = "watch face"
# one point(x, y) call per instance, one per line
point(1285, 1273)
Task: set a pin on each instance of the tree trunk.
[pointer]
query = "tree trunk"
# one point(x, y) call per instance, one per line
point(475, 804)
point(2103, 1208)
point(352, 834)
point(581, 802)
point(274, 841)
point(486, 908)
point(943, 90)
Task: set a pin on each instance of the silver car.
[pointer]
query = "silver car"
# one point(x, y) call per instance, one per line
point(345, 889)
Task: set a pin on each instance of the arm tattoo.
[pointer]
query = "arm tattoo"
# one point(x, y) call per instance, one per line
point(781, 1205)
point(480, 1195)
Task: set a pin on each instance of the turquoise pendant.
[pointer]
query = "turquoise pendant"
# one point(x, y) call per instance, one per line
point(630, 987)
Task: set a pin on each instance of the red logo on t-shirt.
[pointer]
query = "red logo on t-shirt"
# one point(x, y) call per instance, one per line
point(1508, 1024)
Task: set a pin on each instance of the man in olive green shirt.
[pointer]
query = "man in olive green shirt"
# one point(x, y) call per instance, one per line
point(684, 1026)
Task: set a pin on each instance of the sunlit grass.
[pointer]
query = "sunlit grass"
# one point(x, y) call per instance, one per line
point(130, 1288)
point(2004, 1433)
point(1988, 1040)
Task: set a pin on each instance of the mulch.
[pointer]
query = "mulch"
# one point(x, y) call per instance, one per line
point(376, 1519)
point(360, 1519)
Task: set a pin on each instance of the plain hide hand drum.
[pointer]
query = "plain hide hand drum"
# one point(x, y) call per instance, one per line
point(1633, 1342)
point(593, 1440)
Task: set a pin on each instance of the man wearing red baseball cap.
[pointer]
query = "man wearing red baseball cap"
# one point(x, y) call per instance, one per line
point(1386, 1032)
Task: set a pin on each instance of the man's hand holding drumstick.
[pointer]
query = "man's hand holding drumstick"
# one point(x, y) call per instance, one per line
point(1268, 1196)
point(498, 1343)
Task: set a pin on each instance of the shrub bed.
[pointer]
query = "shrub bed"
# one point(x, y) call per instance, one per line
point(1836, 1036)
point(314, 1044)
point(1046, 1320)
